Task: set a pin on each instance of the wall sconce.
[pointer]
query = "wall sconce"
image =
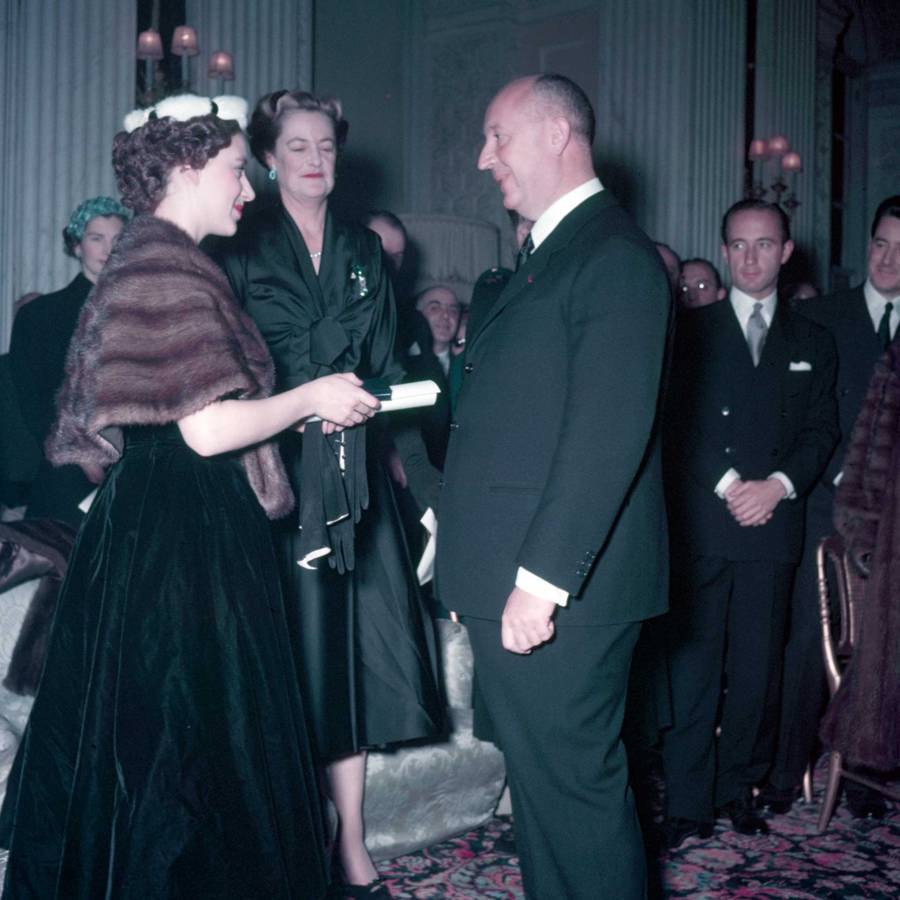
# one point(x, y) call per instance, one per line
point(149, 49)
point(784, 162)
point(184, 44)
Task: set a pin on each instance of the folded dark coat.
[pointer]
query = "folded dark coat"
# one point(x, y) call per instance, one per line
point(863, 718)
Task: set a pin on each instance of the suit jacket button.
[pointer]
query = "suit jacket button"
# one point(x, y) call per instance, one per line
point(726, 410)
point(467, 368)
point(454, 426)
point(729, 451)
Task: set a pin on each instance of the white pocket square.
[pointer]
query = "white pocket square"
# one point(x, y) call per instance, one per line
point(802, 366)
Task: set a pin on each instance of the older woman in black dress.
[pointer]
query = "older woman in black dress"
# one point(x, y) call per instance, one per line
point(318, 291)
point(167, 753)
point(37, 352)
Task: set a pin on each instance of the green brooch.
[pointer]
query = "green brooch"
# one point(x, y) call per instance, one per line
point(359, 286)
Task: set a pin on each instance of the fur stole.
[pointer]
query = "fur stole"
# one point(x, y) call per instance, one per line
point(863, 718)
point(160, 337)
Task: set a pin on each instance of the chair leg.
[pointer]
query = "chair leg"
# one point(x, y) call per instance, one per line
point(831, 790)
point(808, 783)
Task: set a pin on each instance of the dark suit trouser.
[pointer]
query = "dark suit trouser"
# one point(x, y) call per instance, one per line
point(558, 714)
point(727, 618)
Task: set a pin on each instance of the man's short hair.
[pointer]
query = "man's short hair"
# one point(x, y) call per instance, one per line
point(564, 95)
point(758, 206)
point(888, 207)
point(699, 260)
point(386, 215)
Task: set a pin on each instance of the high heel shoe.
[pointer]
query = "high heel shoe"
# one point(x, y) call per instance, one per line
point(376, 889)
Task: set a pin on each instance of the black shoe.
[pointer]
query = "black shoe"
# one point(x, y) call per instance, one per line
point(866, 806)
point(340, 889)
point(675, 831)
point(776, 800)
point(744, 817)
point(374, 890)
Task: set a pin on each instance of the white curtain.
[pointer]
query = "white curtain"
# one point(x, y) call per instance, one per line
point(67, 72)
point(270, 41)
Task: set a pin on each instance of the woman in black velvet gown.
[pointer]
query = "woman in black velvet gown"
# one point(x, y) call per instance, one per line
point(318, 292)
point(167, 753)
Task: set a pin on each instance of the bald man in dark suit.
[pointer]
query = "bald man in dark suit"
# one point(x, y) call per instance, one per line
point(552, 536)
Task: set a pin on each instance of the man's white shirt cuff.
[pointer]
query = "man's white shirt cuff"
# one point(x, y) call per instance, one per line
point(789, 492)
point(536, 585)
point(726, 481)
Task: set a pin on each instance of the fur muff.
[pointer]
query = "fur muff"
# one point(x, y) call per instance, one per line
point(863, 718)
point(159, 338)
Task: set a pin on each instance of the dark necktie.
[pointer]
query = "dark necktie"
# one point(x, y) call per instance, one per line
point(524, 251)
point(756, 332)
point(884, 326)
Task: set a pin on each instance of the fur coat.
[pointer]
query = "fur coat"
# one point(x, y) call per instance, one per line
point(160, 337)
point(863, 718)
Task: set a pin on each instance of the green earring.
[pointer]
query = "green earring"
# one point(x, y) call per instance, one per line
point(273, 175)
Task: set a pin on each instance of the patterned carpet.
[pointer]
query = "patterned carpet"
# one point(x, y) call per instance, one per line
point(852, 859)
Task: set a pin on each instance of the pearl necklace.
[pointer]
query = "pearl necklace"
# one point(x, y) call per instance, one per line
point(315, 255)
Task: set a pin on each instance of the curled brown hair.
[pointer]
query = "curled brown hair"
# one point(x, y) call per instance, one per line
point(265, 124)
point(143, 158)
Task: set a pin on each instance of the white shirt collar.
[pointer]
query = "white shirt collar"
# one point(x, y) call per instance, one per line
point(743, 304)
point(875, 302)
point(560, 208)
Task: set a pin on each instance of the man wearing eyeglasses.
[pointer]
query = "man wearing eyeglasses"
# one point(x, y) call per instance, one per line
point(700, 284)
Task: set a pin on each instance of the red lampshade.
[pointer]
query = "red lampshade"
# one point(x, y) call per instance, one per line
point(184, 41)
point(790, 162)
point(758, 149)
point(221, 65)
point(778, 145)
point(149, 45)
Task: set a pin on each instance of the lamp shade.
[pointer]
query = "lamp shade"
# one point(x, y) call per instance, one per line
point(778, 145)
point(791, 162)
point(221, 65)
point(184, 41)
point(758, 149)
point(149, 45)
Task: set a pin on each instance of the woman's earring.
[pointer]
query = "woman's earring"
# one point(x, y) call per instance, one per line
point(273, 175)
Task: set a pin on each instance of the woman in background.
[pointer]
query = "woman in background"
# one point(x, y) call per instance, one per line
point(167, 752)
point(40, 338)
point(322, 300)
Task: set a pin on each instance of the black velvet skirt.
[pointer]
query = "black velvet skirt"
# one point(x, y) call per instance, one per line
point(167, 753)
point(365, 642)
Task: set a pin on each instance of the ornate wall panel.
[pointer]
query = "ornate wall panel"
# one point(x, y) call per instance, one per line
point(666, 81)
point(68, 79)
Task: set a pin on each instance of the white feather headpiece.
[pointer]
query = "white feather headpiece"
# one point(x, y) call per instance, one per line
point(186, 106)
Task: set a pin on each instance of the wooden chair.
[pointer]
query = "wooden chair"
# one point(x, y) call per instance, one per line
point(837, 647)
